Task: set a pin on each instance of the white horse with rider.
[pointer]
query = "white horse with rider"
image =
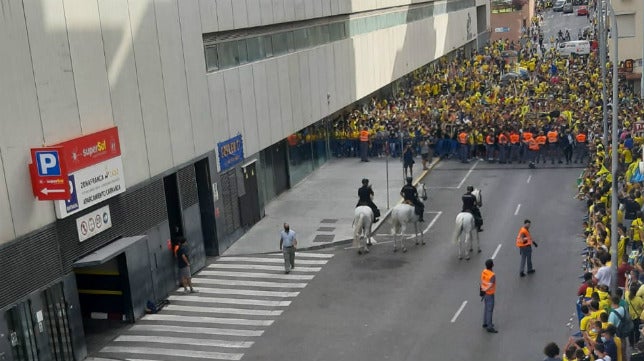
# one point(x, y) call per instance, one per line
point(466, 231)
point(362, 222)
point(405, 214)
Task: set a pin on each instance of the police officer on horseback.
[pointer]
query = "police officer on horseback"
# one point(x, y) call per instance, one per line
point(365, 195)
point(471, 204)
point(409, 193)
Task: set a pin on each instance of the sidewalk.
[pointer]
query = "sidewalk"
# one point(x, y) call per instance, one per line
point(320, 208)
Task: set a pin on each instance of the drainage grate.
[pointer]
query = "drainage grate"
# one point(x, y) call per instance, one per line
point(326, 229)
point(323, 238)
point(327, 220)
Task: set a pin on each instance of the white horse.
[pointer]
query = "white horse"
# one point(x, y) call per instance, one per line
point(465, 226)
point(362, 220)
point(402, 215)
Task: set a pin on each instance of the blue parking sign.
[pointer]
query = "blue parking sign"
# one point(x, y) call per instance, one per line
point(48, 163)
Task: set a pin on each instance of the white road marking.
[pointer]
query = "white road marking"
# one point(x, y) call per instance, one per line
point(245, 292)
point(173, 352)
point(199, 330)
point(227, 282)
point(269, 260)
point(517, 210)
point(529, 177)
point(234, 301)
point(468, 174)
point(201, 319)
point(305, 255)
point(224, 310)
point(279, 276)
point(460, 309)
point(496, 251)
point(184, 341)
point(262, 267)
point(431, 224)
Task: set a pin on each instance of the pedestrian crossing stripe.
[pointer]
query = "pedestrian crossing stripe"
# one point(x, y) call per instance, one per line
point(299, 261)
point(184, 341)
point(238, 298)
point(259, 267)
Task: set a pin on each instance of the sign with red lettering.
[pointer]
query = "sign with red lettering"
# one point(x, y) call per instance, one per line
point(49, 177)
point(91, 149)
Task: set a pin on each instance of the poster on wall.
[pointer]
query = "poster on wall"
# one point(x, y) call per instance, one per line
point(231, 152)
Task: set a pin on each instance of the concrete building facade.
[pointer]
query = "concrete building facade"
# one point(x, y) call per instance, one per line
point(202, 96)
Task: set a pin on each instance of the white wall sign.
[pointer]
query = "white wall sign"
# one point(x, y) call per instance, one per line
point(92, 185)
point(93, 223)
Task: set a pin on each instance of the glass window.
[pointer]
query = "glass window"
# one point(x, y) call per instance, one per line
point(324, 34)
point(255, 48)
point(227, 54)
point(241, 50)
point(212, 63)
point(336, 31)
point(300, 39)
point(268, 45)
point(290, 41)
point(280, 45)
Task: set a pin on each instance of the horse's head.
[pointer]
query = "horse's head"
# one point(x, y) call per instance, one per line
point(422, 191)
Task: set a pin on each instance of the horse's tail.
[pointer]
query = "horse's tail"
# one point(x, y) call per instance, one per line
point(358, 224)
point(458, 229)
point(395, 223)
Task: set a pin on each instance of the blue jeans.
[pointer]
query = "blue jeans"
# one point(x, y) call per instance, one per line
point(526, 255)
point(488, 310)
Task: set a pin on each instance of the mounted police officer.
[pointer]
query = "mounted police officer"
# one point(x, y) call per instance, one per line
point(365, 194)
point(409, 193)
point(471, 204)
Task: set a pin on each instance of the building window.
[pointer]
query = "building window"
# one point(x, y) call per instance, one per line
point(626, 25)
point(212, 64)
point(242, 51)
point(228, 54)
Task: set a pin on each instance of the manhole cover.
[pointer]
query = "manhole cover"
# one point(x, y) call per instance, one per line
point(327, 220)
point(326, 229)
point(323, 238)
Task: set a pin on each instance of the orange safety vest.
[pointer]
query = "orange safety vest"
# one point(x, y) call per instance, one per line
point(581, 138)
point(364, 136)
point(503, 139)
point(552, 136)
point(462, 138)
point(514, 138)
point(486, 282)
point(541, 140)
point(532, 144)
point(489, 140)
point(527, 136)
point(524, 233)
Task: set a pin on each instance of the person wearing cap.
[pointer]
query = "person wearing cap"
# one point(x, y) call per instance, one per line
point(365, 198)
point(524, 242)
point(410, 194)
point(471, 204)
point(488, 290)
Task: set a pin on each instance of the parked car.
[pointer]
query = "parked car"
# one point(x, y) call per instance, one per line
point(558, 6)
point(582, 11)
point(567, 8)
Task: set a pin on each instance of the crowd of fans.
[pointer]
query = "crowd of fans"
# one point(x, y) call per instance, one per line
point(521, 102)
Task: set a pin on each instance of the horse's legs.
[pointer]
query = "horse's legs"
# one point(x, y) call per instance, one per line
point(468, 243)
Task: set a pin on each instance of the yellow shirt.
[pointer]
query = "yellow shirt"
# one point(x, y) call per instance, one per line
point(636, 227)
point(618, 344)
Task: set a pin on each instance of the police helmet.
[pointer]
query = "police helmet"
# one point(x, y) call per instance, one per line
point(409, 180)
point(470, 189)
point(365, 181)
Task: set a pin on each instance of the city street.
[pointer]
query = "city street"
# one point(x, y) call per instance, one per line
point(424, 304)
point(555, 21)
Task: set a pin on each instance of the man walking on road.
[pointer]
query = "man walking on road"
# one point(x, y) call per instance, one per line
point(524, 243)
point(488, 289)
point(184, 266)
point(288, 243)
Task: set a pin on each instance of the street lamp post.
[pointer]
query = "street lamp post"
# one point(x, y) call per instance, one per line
point(613, 215)
point(601, 28)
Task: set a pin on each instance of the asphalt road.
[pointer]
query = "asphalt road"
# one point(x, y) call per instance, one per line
point(555, 21)
point(405, 306)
